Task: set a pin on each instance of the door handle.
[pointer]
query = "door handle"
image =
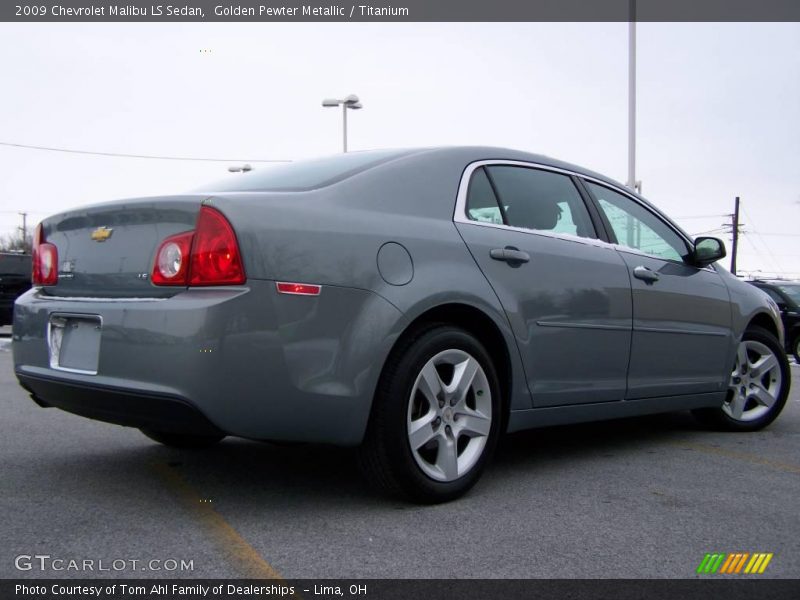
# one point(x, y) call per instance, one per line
point(510, 254)
point(645, 274)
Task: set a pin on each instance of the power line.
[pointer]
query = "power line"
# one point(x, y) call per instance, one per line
point(717, 230)
point(781, 234)
point(147, 156)
point(701, 217)
point(774, 259)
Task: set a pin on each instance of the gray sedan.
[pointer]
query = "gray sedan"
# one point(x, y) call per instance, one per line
point(413, 303)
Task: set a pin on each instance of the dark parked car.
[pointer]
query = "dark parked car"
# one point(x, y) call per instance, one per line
point(15, 279)
point(786, 295)
point(414, 303)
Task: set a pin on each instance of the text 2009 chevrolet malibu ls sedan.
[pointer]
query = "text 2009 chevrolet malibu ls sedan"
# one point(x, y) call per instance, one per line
point(416, 303)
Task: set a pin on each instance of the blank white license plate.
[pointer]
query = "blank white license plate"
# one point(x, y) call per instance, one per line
point(74, 342)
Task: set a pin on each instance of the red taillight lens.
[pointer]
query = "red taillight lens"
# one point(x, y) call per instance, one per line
point(45, 260)
point(207, 256)
point(172, 260)
point(215, 252)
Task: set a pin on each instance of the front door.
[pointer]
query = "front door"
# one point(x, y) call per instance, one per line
point(681, 313)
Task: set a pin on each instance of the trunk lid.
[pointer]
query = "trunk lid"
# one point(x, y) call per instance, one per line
point(107, 250)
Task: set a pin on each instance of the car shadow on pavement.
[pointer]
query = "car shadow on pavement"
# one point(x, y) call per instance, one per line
point(264, 473)
point(255, 475)
point(607, 437)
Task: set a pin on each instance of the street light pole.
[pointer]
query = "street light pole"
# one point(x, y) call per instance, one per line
point(632, 97)
point(352, 103)
point(344, 127)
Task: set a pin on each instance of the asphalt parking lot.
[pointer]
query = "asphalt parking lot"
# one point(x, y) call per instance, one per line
point(645, 497)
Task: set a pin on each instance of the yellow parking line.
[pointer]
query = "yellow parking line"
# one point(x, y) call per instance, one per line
point(243, 555)
point(751, 458)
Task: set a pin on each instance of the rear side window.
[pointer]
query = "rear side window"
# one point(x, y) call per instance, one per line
point(15, 264)
point(540, 200)
point(481, 201)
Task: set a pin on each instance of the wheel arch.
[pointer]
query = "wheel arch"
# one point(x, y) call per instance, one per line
point(764, 321)
point(477, 322)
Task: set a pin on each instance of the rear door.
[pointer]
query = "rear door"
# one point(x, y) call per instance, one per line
point(681, 313)
point(566, 293)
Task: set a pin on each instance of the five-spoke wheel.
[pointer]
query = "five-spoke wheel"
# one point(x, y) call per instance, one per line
point(436, 416)
point(756, 382)
point(449, 415)
point(758, 387)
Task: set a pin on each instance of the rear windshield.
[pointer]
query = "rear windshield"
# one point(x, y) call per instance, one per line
point(303, 175)
point(15, 264)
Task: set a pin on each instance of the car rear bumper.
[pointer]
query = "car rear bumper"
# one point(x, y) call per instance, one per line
point(244, 361)
point(119, 406)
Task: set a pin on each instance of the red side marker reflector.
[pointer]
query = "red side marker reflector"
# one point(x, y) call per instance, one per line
point(299, 289)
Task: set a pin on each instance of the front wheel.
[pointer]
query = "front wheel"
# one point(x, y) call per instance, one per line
point(436, 417)
point(758, 387)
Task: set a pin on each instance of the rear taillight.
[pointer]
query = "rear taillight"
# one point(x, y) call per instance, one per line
point(215, 251)
point(45, 260)
point(207, 256)
point(172, 260)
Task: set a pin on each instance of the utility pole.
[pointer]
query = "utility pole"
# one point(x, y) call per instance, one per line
point(735, 231)
point(24, 228)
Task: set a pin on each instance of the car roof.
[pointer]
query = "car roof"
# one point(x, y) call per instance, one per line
point(476, 153)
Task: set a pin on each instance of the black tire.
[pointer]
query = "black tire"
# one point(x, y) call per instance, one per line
point(182, 440)
point(385, 457)
point(719, 419)
point(796, 348)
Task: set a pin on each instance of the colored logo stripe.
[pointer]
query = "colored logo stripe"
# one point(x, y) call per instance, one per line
point(710, 563)
point(734, 563)
point(758, 563)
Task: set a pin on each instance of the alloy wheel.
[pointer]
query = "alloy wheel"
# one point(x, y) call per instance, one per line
point(449, 415)
point(755, 384)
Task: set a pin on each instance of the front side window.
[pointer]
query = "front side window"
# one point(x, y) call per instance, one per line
point(528, 198)
point(636, 227)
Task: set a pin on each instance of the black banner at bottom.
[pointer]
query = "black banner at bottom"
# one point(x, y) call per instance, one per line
point(405, 589)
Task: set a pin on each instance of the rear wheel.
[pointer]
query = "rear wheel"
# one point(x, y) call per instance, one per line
point(758, 387)
point(436, 417)
point(182, 440)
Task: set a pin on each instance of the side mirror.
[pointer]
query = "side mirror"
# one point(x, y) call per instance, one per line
point(708, 250)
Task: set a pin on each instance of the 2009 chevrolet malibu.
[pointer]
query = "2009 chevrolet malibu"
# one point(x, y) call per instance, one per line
point(414, 303)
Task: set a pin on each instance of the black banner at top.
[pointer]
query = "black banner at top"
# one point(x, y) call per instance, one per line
point(398, 10)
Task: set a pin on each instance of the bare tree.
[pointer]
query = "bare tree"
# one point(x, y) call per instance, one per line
point(14, 242)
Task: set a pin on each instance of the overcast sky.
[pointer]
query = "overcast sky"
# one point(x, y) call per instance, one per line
point(719, 107)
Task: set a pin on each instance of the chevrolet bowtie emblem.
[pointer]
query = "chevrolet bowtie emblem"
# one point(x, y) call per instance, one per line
point(101, 234)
